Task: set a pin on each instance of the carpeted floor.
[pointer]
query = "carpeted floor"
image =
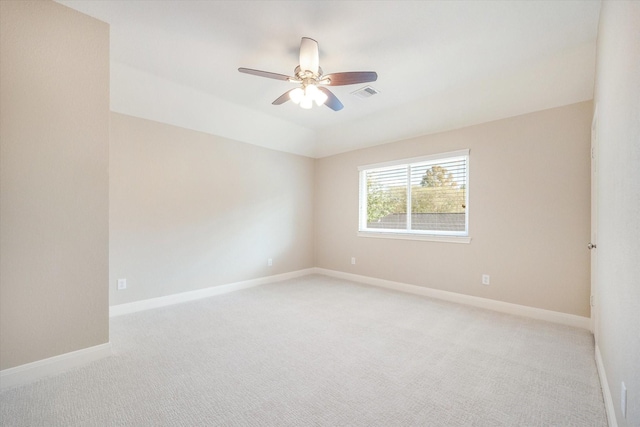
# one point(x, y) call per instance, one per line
point(317, 351)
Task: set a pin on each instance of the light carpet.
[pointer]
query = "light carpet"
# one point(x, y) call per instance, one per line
point(318, 351)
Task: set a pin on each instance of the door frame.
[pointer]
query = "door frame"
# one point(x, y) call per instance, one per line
point(593, 303)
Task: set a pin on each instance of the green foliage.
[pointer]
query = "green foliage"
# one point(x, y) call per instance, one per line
point(438, 192)
point(382, 202)
point(437, 176)
point(437, 200)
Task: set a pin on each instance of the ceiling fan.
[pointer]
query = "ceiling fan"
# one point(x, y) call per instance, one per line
point(309, 75)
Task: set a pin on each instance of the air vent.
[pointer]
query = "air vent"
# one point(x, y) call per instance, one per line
point(365, 92)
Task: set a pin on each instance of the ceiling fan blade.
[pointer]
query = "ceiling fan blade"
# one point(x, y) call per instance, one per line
point(332, 101)
point(309, 57)
point(282, 98)
point(264, 74)
point(350, 78)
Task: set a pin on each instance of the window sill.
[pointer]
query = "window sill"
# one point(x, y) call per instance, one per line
point(410, 236)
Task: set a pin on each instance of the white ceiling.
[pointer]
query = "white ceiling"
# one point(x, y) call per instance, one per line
point(440, 64)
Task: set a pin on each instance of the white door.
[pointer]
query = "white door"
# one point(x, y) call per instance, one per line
point(594, 222)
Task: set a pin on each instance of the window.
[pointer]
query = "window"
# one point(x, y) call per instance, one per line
point(434, 189)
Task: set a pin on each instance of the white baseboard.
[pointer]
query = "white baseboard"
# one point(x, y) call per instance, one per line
point(34, 371)
point(606, 393)
point(147, 304)
point(500, 306)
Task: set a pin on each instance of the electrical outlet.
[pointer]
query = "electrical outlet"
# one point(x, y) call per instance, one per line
point(353, 260)
point(623, 400)
point(122, 284)
point(486, 279)
point(270, 262)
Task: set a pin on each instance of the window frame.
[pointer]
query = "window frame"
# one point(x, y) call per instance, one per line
point(408, 234)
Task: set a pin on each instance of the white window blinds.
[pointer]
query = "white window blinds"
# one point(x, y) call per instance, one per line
point(427, 195)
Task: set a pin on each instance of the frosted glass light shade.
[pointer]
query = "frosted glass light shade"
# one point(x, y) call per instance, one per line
point(296, 95)
point(306, 103)
point(320, 98)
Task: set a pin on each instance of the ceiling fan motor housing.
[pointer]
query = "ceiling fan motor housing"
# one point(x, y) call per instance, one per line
point(303, 75)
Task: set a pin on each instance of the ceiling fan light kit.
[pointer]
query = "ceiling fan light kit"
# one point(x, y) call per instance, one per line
point(306, 95)
point(312, 80)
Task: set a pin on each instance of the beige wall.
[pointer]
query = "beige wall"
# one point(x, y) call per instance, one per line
point(54, 136)
point(617, 295)
point(189, 210)
point(529, 213)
